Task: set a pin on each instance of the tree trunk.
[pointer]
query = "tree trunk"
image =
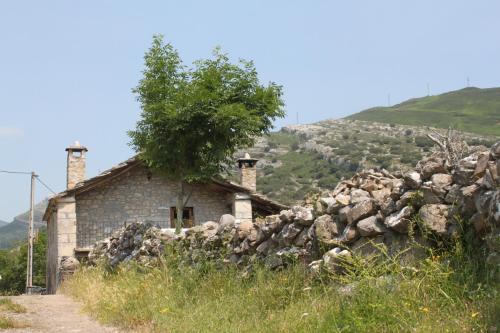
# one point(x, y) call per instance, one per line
point(179, 208)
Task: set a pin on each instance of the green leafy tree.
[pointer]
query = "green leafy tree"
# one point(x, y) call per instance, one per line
point(194, 119)
point(13, 265)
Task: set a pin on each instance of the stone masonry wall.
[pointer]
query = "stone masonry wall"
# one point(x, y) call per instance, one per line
point(66, 227)
point(61, 232)
point(139, 195)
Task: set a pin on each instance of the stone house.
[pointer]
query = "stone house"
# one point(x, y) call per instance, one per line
point(92, 209)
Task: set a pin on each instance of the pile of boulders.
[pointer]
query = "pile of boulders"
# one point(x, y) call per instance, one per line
point(373, 211)
point(141, 242)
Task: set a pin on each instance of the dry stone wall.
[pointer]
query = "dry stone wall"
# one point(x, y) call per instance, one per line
point(374, 209)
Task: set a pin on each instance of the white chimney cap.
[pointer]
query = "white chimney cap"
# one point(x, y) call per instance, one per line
point(77, 147)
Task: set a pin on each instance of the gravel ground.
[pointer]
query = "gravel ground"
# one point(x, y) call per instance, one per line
point(54, 314)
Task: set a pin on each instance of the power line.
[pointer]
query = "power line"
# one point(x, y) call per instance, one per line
point(45, 185)
point(29, 173)
point(16, 172)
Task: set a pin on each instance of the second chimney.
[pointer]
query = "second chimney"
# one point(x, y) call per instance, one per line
point(75, 169)
point(248, 172)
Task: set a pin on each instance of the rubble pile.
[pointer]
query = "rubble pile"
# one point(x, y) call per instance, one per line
point(138, 241)
point(371, 210)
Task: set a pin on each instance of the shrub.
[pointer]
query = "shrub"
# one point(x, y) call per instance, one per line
point(410, 158)
point(422, 141)
point(268, 170)
point(13, 266)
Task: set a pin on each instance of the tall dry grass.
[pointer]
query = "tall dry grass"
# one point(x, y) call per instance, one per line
point(450, 291)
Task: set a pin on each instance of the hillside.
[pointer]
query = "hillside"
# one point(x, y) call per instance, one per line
point(2, 223)
point(471, 109)
point(17, 230)
point(304, 158)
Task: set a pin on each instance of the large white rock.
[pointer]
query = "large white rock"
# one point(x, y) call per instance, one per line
point(370, 226)
point(359, 195)
point(441, 179)
point(334, 259)
point(412, 180)
point(400, 221)
point(360, 211)
point(244, 229)
point(226, 222)
point(435, 217)
point(381, 195)
point(303, 215)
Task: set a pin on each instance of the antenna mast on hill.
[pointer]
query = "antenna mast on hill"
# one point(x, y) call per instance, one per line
point(428, 90)
point(468, 82)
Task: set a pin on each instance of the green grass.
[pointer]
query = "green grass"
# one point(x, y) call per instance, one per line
point(471, 109)
point(448, 292)
point(7, 322)
point(7, 305)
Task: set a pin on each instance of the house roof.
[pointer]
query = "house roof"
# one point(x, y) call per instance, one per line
point(258, 199)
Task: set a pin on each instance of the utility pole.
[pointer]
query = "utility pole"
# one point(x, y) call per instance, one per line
point(29, 271)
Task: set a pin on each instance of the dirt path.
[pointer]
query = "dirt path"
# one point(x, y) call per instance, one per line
point(54, 314)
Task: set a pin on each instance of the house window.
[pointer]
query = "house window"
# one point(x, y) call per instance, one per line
point(187, 217)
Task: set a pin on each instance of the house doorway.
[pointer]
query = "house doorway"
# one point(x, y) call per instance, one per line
point(187, 217)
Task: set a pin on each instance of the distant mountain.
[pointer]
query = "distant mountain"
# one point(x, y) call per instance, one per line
point(2, 223)
point(472, 110)
point(17, 231)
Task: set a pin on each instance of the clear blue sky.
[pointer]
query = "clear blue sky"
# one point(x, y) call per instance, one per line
point(67, 67)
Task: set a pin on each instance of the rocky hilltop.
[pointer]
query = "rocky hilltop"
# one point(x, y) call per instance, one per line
point(301, 159)
point(373, 212)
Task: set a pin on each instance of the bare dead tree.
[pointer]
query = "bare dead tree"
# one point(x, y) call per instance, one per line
point(451, 145)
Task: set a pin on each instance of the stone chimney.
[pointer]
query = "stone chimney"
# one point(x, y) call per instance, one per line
point(248, 172)
point(75, 172)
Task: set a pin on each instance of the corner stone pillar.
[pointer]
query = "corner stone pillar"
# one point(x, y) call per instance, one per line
point(242, 207)
point(66, 231)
